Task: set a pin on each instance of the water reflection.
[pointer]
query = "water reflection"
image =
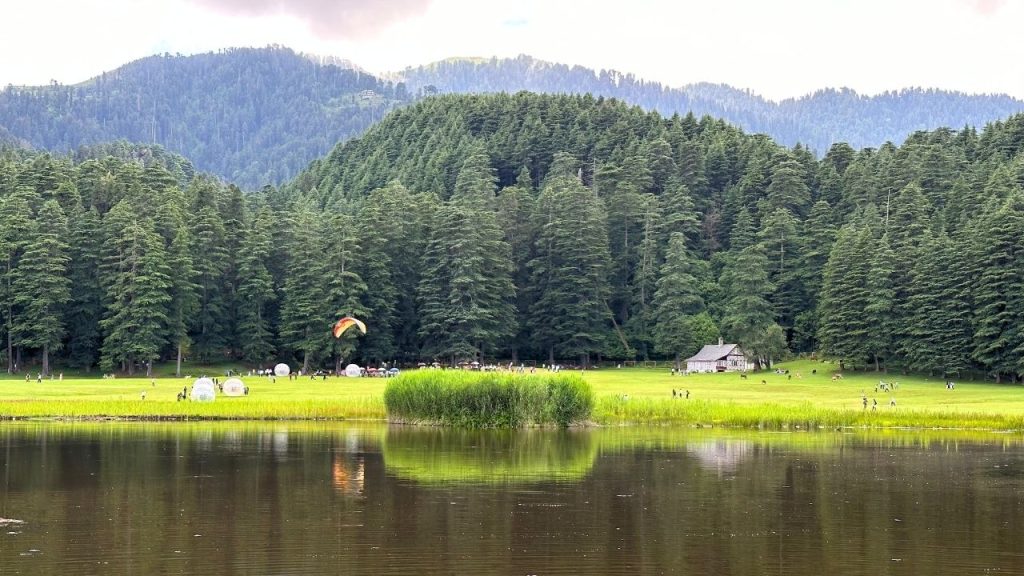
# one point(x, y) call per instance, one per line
point(439, 455)
point(309, 498)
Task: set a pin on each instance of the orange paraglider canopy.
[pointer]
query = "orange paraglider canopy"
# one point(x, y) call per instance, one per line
point(345, 323)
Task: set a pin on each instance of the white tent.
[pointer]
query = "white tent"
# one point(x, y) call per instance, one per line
point(353, 371)
point(234, 387)
point(203, 390)
point(282, 369)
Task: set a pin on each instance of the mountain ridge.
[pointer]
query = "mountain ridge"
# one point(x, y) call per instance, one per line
point(819, 119)
point(258, 116)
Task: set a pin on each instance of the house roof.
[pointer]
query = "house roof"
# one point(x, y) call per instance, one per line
point(712, 352)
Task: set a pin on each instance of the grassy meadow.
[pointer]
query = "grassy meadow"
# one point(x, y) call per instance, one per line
point(623, 396)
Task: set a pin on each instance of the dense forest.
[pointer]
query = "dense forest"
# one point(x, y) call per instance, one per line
point(260, 116)
point(816, 120)
point(527, 227)
point(253, 116)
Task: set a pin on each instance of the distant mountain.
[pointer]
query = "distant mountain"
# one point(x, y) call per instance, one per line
point(259, 116)
point(817, 120)
point(253, 116)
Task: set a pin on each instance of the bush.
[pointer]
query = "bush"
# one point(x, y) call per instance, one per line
point(487, 400)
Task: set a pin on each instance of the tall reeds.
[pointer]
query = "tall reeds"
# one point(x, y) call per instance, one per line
point(488, 399)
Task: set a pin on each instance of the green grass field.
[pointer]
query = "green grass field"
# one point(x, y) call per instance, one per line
point(624, 396)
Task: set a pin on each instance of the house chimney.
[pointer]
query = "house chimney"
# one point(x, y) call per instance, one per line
point(720, 342)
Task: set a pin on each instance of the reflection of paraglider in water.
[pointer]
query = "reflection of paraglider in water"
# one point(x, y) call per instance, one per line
point(345, 323)
point(348, 478)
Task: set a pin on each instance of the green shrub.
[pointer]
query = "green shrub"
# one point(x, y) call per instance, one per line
point(488, 399)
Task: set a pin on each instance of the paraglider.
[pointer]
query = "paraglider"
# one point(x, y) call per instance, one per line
point(347, 322)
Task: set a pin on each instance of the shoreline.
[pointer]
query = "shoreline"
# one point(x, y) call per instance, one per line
point(610, 413)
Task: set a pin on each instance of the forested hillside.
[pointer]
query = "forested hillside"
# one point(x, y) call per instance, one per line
point(817, 120)
point(253, 116)
point(536, 227)
point(259, 116)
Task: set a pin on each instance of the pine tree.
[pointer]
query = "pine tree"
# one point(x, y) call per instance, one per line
point(466, 295)
point(677, 300)
point(42, 286)
point(344, 289)
point(938, 322)
point(184, 293)
point(842, 324)
point(394, 224)
point(781, 242)
point(212, 262)
point(788, 190)
point(515, 207)
point(998, 287)
point(748, 316)
point(303, 325)
point(569, 275)
point(880, 304)
point(256, 290)
point(138, 294)
point(85, 307)
point(16, 224)
point(679, 214)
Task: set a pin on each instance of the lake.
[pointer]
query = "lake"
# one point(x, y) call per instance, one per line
point(311, 498)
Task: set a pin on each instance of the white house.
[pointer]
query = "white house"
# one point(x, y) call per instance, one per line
point(719, 358)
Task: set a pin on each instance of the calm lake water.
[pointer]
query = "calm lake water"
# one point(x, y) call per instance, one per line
point(229, 498)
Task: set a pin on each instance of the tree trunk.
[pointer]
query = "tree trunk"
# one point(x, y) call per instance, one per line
point(149, 368)
point(551, 355)
point(877, 367)
point(46, 359)
point(131, 368)
point(10, 352)
point(677, 362)
point(177, 368)
point(305, 362)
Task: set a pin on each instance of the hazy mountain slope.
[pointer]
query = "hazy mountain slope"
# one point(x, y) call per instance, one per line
point(254, 116)
point(817, 120)
point(259, 116)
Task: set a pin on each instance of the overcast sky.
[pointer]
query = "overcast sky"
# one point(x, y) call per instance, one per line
point(777, 48)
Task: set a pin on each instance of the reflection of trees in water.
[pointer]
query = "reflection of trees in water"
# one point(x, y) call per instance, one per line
point(439, 455)
point(794, 504)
